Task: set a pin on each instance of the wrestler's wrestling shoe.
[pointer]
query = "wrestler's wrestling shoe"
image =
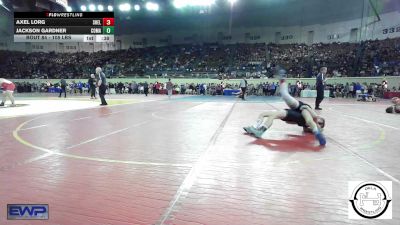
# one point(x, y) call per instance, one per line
point(320, 137)
point(247, 129)
point(250, 130)
point(258, 133)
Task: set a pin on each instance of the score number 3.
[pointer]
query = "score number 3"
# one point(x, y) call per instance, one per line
point(108, 21)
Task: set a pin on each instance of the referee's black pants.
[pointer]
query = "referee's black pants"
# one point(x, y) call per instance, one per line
point(320, 96)
point(102, 93)
point(93, 92)
point(63, 89)
point(243, 92)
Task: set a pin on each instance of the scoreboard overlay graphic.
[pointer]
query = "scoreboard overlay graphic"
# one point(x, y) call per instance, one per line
point(63, 27)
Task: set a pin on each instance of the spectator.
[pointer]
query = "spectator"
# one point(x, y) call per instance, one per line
point(92, 86)
point(146, 88)
point(169, 88)
point(7, 87)
point(378, 57)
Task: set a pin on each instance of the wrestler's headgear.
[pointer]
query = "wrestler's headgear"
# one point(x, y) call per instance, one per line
point(396, 101)
point(321, 122)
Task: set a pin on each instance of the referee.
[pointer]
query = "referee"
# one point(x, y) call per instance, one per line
point(102, 83)
point(320, 85)
point(63, 85)
point(243, 87)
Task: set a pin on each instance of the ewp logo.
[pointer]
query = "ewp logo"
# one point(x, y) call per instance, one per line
point(27, 212)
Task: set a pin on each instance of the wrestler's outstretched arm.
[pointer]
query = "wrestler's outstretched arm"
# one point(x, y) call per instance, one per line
point(310, 120)
point(313, 114)
point(313, 126)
